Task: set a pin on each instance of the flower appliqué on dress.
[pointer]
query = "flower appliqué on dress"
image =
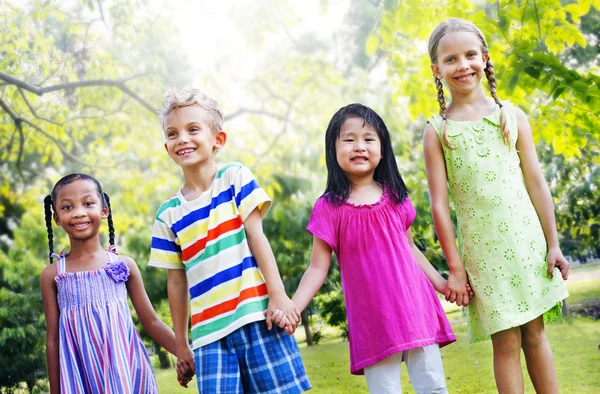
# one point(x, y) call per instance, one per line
point(118, 271)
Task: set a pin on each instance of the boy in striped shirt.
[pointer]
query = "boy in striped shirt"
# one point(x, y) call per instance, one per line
point(209, 236)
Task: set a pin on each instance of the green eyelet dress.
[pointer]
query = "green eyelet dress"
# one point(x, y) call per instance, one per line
point(500, 237)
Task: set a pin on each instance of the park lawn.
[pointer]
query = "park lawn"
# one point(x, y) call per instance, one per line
point(468, 368)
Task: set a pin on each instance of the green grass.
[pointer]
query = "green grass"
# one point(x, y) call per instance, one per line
point(468, 368)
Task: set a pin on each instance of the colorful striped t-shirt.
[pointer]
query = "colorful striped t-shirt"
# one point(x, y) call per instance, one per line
point(206, 237)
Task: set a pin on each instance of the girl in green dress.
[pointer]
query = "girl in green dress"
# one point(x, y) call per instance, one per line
point(479, 154)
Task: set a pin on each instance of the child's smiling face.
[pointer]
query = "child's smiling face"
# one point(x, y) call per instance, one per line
point(358, 148)
point(460, 61)
point(78, 209)
point(189, 138)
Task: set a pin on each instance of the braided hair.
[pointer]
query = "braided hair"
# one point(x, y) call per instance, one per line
point(460, 25)
point(49, 207)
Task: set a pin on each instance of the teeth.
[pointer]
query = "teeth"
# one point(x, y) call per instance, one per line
point(185, 151)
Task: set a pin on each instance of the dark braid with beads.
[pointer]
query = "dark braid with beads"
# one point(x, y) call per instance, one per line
point(111, 228)
point(48, 212)
point(50, 200)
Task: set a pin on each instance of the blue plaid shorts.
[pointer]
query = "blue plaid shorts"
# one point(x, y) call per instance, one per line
point(251, 359)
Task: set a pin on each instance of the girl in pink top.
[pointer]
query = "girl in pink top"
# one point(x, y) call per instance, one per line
point(364, 216)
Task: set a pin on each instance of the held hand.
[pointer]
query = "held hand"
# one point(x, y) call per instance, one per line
point(283, 312)
point(456, 291)
point(470, 292)
point(184, 374)
point(556, 259)
point(185, 365)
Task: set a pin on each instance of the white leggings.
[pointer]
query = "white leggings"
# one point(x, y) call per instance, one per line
point(425, 371)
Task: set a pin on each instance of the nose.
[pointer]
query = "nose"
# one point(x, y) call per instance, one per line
point(183, 138)
point(359, 146)
point(463, 64)
point(78, 212)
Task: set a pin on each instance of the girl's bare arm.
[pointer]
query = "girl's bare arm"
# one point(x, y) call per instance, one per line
point(539, 193)
point(435, 166)
point(151, 323)
point(51, 312)
point(315, 275)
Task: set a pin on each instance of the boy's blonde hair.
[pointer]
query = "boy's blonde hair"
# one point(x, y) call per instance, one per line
point(460, 25)
point(184, 97)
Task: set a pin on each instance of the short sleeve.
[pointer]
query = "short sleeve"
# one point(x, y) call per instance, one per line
point(409, 213)
point(323, 223)
point(248, 194)
point(165, 252)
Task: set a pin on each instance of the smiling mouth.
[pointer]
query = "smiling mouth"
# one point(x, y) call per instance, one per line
point(464, 78)
point(81, 225)
point(186, 151)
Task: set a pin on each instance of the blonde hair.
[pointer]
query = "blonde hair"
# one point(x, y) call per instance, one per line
point(184, 97)
point(460, 25)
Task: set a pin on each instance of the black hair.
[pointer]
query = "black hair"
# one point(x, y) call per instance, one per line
point(49, 206)
point(386, 174)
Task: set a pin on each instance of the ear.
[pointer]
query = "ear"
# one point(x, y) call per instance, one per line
point(55, 217)
point(105, 212)
point(221, 139)
point(436, 71)
point(485, 57)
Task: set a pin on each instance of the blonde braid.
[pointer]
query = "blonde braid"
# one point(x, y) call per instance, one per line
point(489, 73)
point(443, 112)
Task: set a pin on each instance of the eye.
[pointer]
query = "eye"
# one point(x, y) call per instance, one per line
point(194, 129)
point(370, 139)
point(66, 207)
point(171, 134)
point(88, 204)
point(348, 140)
point(450, 59)
point(471, 54)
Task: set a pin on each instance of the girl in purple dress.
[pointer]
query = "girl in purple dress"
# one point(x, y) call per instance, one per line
point(92, 345)
point(364, 216)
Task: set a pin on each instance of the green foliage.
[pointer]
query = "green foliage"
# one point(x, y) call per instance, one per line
point(332, 309)
point(22, 335)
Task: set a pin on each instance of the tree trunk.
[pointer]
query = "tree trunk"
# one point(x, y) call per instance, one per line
point(163, 356)
point(306, 324)
point(565, 309)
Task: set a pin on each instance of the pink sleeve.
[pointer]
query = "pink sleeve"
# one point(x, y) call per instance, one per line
point(408, 212)
point(323, 223)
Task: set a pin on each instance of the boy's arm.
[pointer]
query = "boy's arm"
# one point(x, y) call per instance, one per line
point(440, 209)
point(177, 288)
point(51, 313)
point(315, 275)
point(261, 250)
point(540, 194)
point(438, 282)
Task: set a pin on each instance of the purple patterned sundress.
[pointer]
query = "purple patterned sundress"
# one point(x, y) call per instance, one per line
point(101, 351)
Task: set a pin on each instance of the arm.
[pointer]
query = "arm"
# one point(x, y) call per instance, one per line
point(177, 288)
point(261, 250)
point(151, 323)
point(315, 275)
point(456, 291)
point(438, 282)
point(539, 194)
point(51, 312)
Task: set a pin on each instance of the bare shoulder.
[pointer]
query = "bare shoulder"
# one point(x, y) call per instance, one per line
point(131, 264)
point(520, 113)
point(428, 129)
point(48, 274)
